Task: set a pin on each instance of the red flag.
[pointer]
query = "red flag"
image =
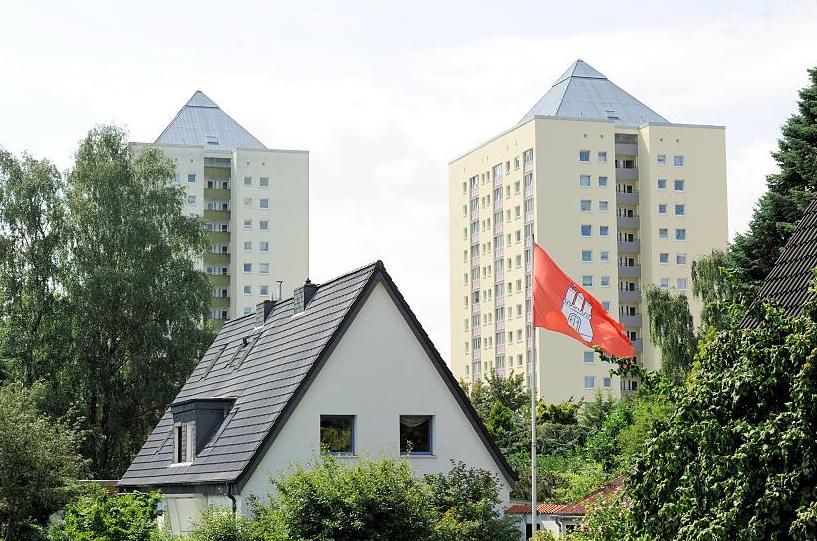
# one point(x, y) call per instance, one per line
point(561, 305)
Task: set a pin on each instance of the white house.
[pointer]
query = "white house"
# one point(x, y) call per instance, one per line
point(344, 364)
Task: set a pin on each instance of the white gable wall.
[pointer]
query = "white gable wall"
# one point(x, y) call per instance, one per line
point(377, 372)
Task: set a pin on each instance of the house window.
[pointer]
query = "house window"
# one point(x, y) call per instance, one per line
point(584, 155)
point(587, 280)
point(247, 267)
point(247, 245)
point(602, 182)
point(602, 157)
point(589, 382)
point(662, 208)
point(661, 159)
point(604, 206)
point(263, 203)
point(662, 184)
point(680, 234)
point(263, 291)
point(338, 434)
point(588, 357)
point(586, 230)
point(605, 305)
point(604, 230)
point(587, 255)
point(678, 161)
point(247, 224)
point(263, 225)
point(585, 205)
point(184, 442)
point(248, 290)
point(191, 199)
point(584, 181)
point(663, 233)
point(682, 284)
point(263, 182)
point(415, 434)
point(263, 268)
point(605, 281)
point(263, 246)
point(248, 201)
point(680, 210)
point(608, 381)
point(247, 181)
point(191, 178)
point(664, 283)
point(663, 258)
point(680, 259)
point(678, 185)
point(604, 255)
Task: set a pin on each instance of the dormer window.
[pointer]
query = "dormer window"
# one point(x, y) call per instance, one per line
point(184, 442)
point(212, 140)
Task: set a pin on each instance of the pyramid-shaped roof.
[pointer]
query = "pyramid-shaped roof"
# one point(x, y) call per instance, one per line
point(583, 92)
point(202, 123)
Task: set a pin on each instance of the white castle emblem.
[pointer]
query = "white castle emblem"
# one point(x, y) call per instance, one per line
point(577, 312)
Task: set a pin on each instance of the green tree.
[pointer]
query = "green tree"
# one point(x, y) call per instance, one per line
point(32, 250)
point(789, 192)
point(221, 524)
point(136, 301)
point(671, 329)
point(98, 516)
point(724, 296)
point(39, 463)
point(736, 459)
point(468, 506)
point(370, 500)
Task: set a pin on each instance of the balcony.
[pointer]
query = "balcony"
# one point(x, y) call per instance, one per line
point(627, 198)
point(497, 204)
point(528, 167)
point(499, 277)
point(476, 355)
point(500, 326)
point(497, 227)
point(474, 191)
point(474, 307)
point(628, 222)
point(498, 252)
point(500, 349)
point(638, 345)
point(626, 173)
point(629, 247)
point(475, 284)
point(629, 296)
point(528, 217)
point(497, 181)
point(474, 261)
point(626, 149)
point(476, 331)
point(629, 271)
point(630, 321)
point(528, 191)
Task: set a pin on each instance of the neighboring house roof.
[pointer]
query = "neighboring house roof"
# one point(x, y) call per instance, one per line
point(582, 92)
point(202, 123)
point(577, 508)
point(269, 379)
point(788, 285)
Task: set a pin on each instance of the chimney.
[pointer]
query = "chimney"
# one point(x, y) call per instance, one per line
point(303, 295)
point(279, 295)
point(262, 311)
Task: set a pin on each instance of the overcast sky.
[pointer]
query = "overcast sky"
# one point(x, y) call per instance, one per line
point(384, 94)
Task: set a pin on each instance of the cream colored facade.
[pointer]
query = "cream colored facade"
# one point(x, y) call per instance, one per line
point(255, 202)
point(616, 206)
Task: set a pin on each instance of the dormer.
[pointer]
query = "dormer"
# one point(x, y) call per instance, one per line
point(194, 422)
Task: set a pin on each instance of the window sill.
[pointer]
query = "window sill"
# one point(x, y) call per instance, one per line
point(417, 455)
point(179, 464)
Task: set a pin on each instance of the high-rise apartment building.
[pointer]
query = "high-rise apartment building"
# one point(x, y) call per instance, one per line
point(255, 202)
point(619, 196)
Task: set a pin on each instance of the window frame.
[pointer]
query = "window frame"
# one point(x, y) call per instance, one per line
point(353, 436)
point(431, 434)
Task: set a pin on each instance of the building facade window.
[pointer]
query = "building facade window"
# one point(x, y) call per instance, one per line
point(602, 182)
point(604, 230)
point(662, 208)
point(587, 280)
point(680, 259)
point(663, 233)
point(604, 206)
point(663, 258)
point(588, 356)
point(191, 178)
point(682, 284)
point(263, 182)
point(604, 281)
point(584, 181)
point(604, 255)
point(247, 181)
point(586, 230)
point(589, 382)
point(678, 160)
point(584, 155)
point(662, 184)
point(337, 434)
point(680, 210)
point(247, 223)
point(602, 156)
point(416, 436)
point(680, 234)
point(679, 185)
point(585, 205)
point(587, 255)
point(661, 159)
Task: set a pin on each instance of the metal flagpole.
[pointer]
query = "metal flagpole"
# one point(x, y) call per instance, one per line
point(533, 398)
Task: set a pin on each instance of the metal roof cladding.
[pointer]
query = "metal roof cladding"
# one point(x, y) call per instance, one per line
point(202, 123)
point(582, 92)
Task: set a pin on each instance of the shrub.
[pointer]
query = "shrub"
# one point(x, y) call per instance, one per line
point(220, 524)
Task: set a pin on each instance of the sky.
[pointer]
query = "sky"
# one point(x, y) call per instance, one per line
point(385, 94)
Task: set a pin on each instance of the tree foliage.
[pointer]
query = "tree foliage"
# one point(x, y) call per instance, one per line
point(39, 462)
point(789, 192)
point(737, 458)
point(671, 329)
point(98, 516)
